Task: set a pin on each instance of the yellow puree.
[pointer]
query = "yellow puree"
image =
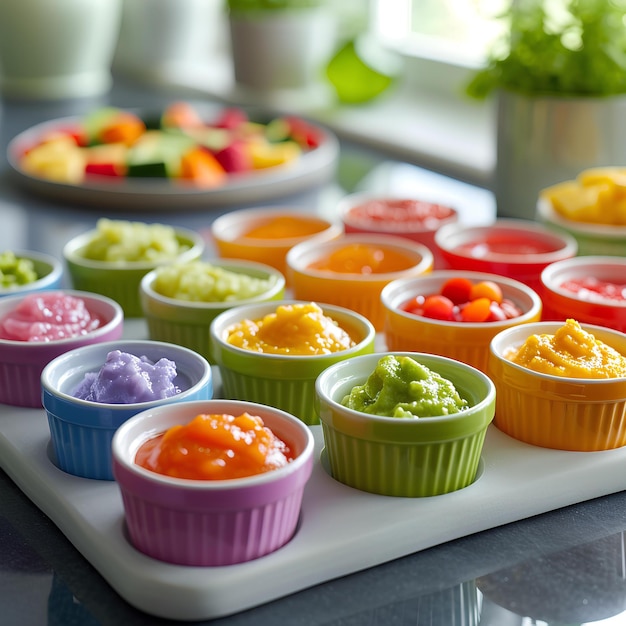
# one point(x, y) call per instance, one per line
point(300, 329)
point(570, 352)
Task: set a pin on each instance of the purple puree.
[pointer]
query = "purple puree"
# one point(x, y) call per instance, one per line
point(126, 379)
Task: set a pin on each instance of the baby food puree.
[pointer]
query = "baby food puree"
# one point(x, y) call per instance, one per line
point(594, 290)
point(122, 240)
point(571, 352)
point(285, 227)
point(215, 447)
point(399, 213)
point(363, 259)
point(299, 329)
point(199, 281)
point(48, 316)
point(402, 387)
point(510, 244)
point(125, 379)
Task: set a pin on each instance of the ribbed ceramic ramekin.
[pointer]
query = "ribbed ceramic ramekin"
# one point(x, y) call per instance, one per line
point(21, 362)
point(266, 234)
point(285, 381)
point(211, 522)
point(120, 280)
point(561, 412)
point(49, 272)
point(354, 290)
point(187, 322)
point(408, 457)
point(588, 305)
point(514, 248)
point(82, 430)
point(464, 341)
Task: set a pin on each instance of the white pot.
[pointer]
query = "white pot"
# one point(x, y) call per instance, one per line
point(57, 48)
point(542, 141)
point(160, 34)
point(281, 49)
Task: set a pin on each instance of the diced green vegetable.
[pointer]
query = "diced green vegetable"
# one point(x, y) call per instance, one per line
point(15, 271)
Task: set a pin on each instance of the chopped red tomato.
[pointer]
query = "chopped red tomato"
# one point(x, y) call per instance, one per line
point(461, 300)
point(438, 307)
point(457, 289)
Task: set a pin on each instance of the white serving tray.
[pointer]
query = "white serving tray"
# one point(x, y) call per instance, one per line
point(342, 530)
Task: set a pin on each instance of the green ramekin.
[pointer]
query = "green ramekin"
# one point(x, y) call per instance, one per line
point(286, 382)
point(402, 456)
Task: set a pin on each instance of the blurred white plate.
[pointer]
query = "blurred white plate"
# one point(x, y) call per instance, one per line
point(314, 168)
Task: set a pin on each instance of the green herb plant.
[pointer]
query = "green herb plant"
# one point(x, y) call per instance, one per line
point(558, 47)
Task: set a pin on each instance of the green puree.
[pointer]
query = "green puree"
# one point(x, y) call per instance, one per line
point(402, 387)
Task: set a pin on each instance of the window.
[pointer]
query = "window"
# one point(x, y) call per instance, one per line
point(457, 31)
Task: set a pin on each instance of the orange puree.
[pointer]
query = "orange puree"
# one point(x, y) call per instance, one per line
point(300, 329)
point(215, 447)
point(571, 352)
point(285, 227)
point(363, 259)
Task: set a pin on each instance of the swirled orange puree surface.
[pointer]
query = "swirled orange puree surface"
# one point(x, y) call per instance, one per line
point(299, 329)
point(284, 228)
point(215, 447)
point(361, 258)
point(571, 352)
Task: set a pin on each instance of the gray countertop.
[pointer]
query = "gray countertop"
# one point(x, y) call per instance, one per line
point(562, 567)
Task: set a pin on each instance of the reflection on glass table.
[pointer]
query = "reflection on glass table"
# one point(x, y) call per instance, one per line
point(593, 594)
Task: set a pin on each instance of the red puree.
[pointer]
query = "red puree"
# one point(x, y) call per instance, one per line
point(504, 244)
point(398, 213)
point(48, 316)
point(594, 290)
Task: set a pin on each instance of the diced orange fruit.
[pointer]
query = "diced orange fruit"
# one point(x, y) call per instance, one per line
point(123, 128)
point(201, 167)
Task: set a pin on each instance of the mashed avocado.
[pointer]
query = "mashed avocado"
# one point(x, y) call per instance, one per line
point(402, 387)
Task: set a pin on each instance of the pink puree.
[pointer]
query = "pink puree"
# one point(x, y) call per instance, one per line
point(48, 316)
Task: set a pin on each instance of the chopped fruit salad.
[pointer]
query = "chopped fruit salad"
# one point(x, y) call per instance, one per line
point(463, 300)
point(180, 145)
